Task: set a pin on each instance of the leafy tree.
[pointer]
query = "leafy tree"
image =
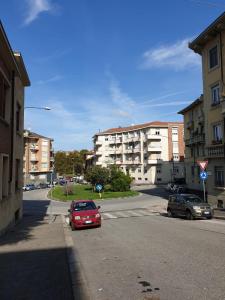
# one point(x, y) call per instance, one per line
point(97, 175)
point(119, 181)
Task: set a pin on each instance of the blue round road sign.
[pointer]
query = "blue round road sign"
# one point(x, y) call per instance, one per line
point(203, 175)
point(98, 187)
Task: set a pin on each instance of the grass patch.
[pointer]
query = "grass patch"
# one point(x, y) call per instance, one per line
point(85, 192)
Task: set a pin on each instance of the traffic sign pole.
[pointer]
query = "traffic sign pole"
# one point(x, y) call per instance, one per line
point(203, 182)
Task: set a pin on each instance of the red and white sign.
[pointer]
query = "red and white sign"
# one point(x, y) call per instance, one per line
point(202, 164)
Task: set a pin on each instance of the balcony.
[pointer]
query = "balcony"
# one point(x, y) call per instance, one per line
point(98, 163)
point(34, 147)
point(154, 149)
point(52, 159)
point(154, 137)
point(34, 170)
point(132, 139)
point(33, 158)
point(119, 162)
point(190, 124)
point(111, 151)
point(154, 161)
point(98, 143)
point(132, 162)
point(223, 107)
point(98, 153)
point(198, 139)
point(200, 119)
point(216, 151)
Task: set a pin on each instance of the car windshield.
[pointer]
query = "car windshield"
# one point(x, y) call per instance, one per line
point(193, 198)
point(84, 206)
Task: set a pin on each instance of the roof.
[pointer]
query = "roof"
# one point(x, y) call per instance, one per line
point(140, 126)
point(212, 30)
point(30, 134)
point(15, 60)
point(192, 105)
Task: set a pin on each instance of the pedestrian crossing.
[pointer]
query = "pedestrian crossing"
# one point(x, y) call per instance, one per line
point(128, 214)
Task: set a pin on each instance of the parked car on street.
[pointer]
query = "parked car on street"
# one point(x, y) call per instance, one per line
point(84, 213)
point(188, 205)
point(29, 187)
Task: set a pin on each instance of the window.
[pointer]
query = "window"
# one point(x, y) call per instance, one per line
point(106, 139)
point(217, 133)
point(175, 170)
point(139, 170)
point(44, 154)
point(3, 94)
point(213, 57)
point(157, 132)
point(174, 131)
point(159, 179)
point(139, 178)
point(18, 112)
point(215, 94)
point(145, 170)
point(4, 176)
point(158, 171)
point(219, 176)
point(192, 171)
point(44, 165)
point(176, 157)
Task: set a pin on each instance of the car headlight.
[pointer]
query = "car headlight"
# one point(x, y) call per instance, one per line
point(97, 216)
point(77, 218)
point(196, 207)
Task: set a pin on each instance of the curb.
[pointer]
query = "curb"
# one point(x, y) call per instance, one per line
point(79, 284)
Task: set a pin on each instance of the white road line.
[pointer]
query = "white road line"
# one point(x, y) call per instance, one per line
point(109, 216)
point(121, 214)
point(134, 213)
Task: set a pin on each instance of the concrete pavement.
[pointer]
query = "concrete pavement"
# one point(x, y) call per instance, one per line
point(34, 257)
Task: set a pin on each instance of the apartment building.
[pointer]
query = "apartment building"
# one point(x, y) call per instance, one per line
point(210, 45)
point(151, 153)
point(13, 80)
point(38, 158)
point(194, 132)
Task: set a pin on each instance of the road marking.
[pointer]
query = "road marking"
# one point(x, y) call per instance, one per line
point(121, 214)
point(134, 213)
point(109, 216)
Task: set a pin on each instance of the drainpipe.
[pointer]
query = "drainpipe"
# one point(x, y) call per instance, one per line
point(12, 124)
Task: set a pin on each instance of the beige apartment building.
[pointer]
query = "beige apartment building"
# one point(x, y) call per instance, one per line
point(151, 153)
point(210, 45)
point(38, 158)
point(194, 132)
point(13, 79)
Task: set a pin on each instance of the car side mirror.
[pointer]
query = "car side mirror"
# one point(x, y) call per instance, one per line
point(99, 207)
point(69, 210)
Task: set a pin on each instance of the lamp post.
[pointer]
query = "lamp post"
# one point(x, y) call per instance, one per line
point(38, 107)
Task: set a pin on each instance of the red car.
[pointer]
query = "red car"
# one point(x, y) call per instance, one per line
point(84, 213)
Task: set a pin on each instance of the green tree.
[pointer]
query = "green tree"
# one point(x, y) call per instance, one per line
point(97, 175)
point(119, 181)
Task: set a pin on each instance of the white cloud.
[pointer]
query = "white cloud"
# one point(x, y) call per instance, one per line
point(35, 7)
point(50, 80)
point(118, 96)
point(176, 56)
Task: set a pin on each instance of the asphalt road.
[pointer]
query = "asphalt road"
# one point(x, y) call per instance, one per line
point(140, 254)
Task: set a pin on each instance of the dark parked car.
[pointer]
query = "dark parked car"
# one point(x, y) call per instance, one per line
point(189, 206)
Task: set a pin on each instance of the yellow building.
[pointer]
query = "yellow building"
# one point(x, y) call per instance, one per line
point(194, 132)
point(210, 45)
point(38, 157)
point(13, 79)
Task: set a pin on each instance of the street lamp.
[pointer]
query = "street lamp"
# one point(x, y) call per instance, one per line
point(38, 107)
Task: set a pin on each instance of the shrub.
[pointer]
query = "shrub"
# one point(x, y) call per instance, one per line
point(98, 175)
point(121, 183)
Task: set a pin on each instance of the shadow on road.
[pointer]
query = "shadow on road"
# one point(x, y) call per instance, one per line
point(156, 191)
point(35, 274)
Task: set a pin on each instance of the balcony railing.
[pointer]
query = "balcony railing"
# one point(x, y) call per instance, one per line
point(132, 162)
point(98, 143)
point(33, 158)
point(154, 161)
point(34, 147)
point(131, 139)
point(154, 148)
point(190, 124)
point(216, 151)
point(153, 137)
point(200, 138)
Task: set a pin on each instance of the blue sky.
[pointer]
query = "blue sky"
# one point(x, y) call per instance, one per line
point(106, 63)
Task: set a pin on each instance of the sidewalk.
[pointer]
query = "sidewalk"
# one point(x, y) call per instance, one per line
point(219, 213)
point(33, 261)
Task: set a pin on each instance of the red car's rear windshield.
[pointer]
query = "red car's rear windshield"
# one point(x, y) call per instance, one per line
point(84, 206)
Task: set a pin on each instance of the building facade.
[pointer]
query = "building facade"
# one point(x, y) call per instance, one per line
point(194, 132)
point(210, 45)
point(150, 153)
point(13, 79)
point(38, 158)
